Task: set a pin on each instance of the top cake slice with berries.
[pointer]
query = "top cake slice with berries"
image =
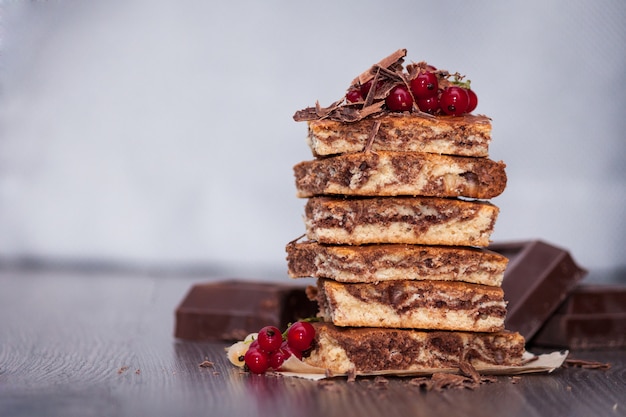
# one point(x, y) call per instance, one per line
point(415, 108)
point(466, 135)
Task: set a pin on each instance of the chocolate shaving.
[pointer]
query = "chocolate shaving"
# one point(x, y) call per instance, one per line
point(206, 364)
point(384, 76)
point(468, 370)
point(580, 363)
point(444, 380)
point(372, 136)
point(391, 61)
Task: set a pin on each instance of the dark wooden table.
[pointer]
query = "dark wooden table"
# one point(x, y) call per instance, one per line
point(100, 344)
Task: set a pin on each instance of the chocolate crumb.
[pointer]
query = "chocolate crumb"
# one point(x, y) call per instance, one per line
point(326, 384)
point(381, 381)
point(206, 364)
point(580, 363)
point(442, 381)
point(420, 382)
point(122, 369)
point(469, 371)
point(515, 379)
point(137, 371)
point(352, 375)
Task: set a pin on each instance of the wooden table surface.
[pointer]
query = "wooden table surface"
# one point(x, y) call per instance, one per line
point(78, 343)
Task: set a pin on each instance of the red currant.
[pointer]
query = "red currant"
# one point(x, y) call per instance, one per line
point(425, 85)
point(278, 357)
point(353, 96)
point(256, 360)
point(473, 101)
point(290, 350)
point(399, 99)
point(429, 105)
point(454, 100)
point(300, 335)
point(269, 338)
point(365, 88)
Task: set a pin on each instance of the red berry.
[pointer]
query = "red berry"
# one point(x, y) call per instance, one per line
point(425, 85)
point(473, 101)
point(428, 105)
point(278, 357)
point(353, 96)
point(300, 335)
point(365, 88)
point(399, 99)
point(291, 350)
point(256, 360)
point(454, 100)
point(270, 338)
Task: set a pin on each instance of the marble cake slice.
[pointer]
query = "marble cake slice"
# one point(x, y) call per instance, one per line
point(368, 350)
point(384, 262)
point(385, 173)
point(468, 135)
point(439, 305)
point(412, 220)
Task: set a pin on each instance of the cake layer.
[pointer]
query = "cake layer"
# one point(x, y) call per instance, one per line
point(374, 263)
point(467, 135)
point(412, 220)
point(401, 173)
point(363, 350)
point(439, 305)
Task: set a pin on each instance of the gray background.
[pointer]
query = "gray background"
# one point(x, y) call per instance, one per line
point(160, 133)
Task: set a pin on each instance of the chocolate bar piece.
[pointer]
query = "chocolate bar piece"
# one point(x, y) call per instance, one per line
point(537, 280)
point(230, 310)
point(592, 317)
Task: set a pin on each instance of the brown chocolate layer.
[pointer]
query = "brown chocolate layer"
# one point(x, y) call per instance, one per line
point(538, 279)
point(592, 317)
point(229, 310)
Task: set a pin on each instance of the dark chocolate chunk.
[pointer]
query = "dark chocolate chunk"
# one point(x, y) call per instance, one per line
point(537, 280)
point(592, 317)
point(229, 310)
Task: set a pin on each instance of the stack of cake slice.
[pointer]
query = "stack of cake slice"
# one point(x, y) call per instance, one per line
point(397, 221)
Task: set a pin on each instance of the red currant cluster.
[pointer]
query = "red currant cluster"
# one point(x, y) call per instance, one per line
point(271, 347)
point(429, 89)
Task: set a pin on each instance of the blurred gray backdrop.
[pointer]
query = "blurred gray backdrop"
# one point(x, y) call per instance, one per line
point(160, 133)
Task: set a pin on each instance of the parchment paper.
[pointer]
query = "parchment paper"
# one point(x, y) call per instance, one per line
point(547, 362)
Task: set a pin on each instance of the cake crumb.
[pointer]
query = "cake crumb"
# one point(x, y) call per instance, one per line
point(206, 364)
point(122, 369)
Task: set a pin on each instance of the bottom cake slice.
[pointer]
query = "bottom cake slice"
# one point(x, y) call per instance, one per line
point(363, 350)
